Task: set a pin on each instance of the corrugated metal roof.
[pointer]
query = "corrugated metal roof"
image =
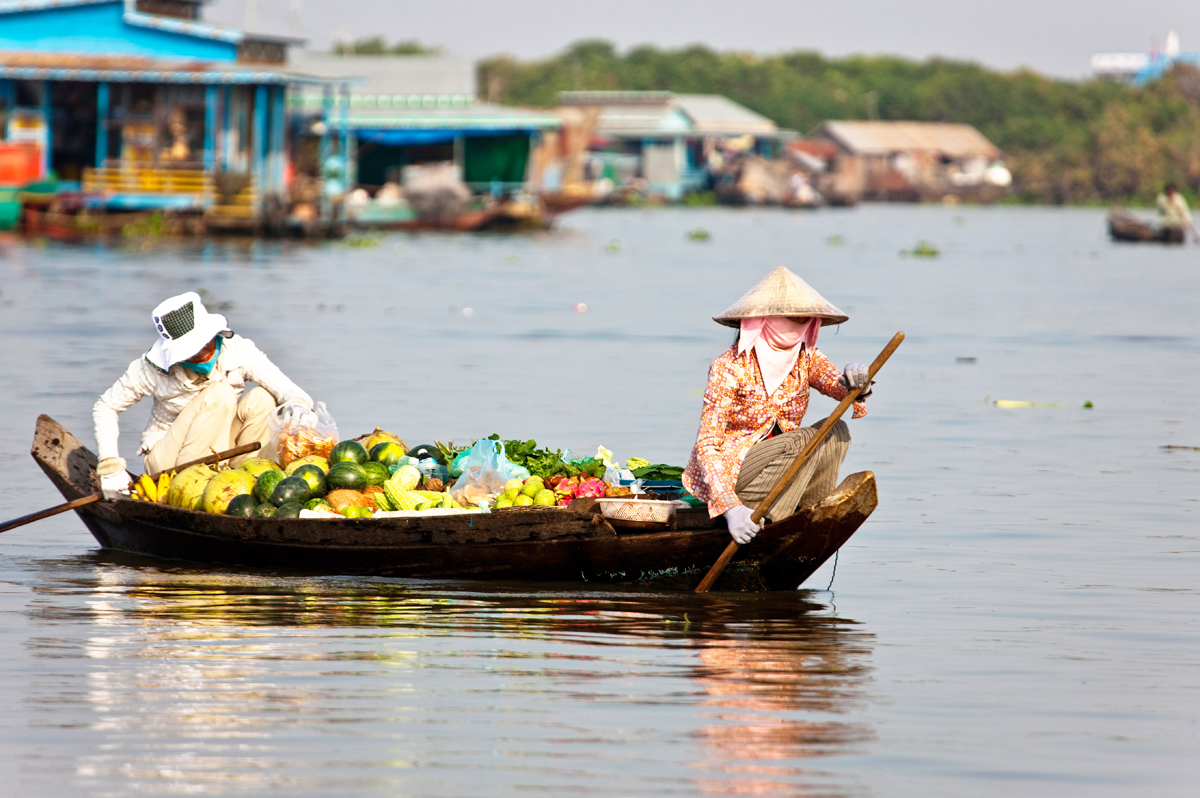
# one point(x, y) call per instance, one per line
point(649, 113)
point(716, 114)
point(884, 138)
point(139, 69)
point(469, 116)
point(393, 75)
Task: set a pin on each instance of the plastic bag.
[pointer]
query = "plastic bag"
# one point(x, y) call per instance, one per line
point(299, 433)
point(485, 469)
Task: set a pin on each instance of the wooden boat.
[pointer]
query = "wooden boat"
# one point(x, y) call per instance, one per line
point(558, 544)
point(1124, 226)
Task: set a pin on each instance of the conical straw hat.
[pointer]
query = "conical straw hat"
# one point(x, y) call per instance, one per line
point(781, 293)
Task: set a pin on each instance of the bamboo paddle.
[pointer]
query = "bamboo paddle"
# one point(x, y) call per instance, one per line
point(75, 504)
point(715, 572)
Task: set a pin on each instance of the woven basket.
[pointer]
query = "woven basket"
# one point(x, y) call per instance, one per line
point(638, 511)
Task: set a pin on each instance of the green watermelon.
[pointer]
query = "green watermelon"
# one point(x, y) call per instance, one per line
point(388, 453)
point(264, 510)
point(290, 489)
point(347, 452)
point(426, 450)
point(289, 510)
point(266, 483)
point(242, 506)
point(377, 473)
point(313, 504)
point(315, 478)
point(350, 476)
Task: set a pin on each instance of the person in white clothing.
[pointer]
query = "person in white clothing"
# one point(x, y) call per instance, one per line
point(196, 372)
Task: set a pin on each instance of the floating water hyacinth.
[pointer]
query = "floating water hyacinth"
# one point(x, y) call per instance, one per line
point(923, 249)
point(699, 234)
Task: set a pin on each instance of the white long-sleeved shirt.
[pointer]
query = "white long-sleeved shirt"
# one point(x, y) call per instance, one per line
point(239, 360)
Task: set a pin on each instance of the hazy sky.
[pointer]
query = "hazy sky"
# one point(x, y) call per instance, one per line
point(1051, 36)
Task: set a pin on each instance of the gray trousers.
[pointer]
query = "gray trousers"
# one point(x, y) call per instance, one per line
point(767, 460)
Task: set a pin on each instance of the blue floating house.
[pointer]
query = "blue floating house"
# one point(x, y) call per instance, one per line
point(402, 111)
point(142, 105)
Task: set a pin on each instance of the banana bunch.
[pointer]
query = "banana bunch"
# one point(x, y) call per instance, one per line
point(147, 490)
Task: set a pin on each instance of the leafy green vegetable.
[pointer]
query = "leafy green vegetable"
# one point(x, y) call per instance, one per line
point(659, 471)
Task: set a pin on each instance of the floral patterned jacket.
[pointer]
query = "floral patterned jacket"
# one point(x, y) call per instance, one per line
point(738, 414)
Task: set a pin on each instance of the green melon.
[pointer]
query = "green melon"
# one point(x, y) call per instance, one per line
point(308, 459)
point(266, 483)
point(289, 510)
point(347, 452)
point(259, 465)
point(377, 473)
point(388, 453)
point(243, 506)
point(224, 488)
point(349, 476)
point(313, 504)
point(264, 510)
point(315, 478)
point(426, 450)
point(290, 489)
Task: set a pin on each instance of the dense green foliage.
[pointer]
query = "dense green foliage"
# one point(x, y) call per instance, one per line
point(1065, 141)
point(377, 45)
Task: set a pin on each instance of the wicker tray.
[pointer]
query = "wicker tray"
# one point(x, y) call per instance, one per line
point(637, 513)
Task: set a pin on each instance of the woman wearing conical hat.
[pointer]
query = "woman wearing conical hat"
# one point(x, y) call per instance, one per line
point(757, 396)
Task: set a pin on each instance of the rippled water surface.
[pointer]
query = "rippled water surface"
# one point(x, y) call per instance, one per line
point(1021, 615)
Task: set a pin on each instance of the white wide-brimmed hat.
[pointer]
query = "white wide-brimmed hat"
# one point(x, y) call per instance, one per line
point(781, 293)
point(184, 327)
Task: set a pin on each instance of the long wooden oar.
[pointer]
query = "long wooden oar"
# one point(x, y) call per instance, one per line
point(246, 448)
point(715, 572)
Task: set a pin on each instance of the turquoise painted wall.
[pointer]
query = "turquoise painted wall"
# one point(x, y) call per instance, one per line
point(101, 30)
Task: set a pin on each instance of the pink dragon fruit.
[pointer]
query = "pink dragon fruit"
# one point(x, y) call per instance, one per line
point(591, 487)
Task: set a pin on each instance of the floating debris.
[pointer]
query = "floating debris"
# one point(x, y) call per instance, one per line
point(1011, 403)
point(835, 240)
point(699, 234)
point(613, 246)
point(1088, 404)
point(923, 249)
point(1173, 446)
point(965, 359)
point(362, 241)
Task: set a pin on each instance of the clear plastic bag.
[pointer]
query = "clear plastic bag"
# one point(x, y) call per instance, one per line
point(485, 469)
point(301, 433)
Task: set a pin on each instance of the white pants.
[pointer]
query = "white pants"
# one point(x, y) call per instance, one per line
point(213, 421)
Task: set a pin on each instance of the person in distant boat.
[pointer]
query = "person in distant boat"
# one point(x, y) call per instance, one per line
point(1175, 216)
point(756, 398)
point(196, 371)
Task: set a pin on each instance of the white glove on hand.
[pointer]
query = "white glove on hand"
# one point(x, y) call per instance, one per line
point(741, 528)
point(854, 375)
point(114, 479)
point(294, 415)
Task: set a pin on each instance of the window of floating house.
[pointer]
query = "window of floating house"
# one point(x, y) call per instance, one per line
point(179, 9)
point(502, 159)
point(180, 119)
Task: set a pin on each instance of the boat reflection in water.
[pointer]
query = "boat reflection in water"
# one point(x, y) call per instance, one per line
point(228, 683)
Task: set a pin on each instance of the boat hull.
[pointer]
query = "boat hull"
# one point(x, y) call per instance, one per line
point(573, 544)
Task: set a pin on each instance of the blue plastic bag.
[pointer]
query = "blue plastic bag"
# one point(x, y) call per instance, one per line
point(484, 470)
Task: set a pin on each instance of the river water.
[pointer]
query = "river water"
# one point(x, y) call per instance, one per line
point(1021, 615)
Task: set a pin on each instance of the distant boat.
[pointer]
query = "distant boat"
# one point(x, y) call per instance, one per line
point(1124, 226)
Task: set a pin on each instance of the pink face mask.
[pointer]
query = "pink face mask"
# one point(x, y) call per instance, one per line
point(776, 342)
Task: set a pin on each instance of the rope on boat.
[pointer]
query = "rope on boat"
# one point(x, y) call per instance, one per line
point(834, 574)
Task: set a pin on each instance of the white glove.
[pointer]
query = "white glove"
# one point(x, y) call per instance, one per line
point(114, 479)
point(741, 528)
point(295, 415)
point(854, 375)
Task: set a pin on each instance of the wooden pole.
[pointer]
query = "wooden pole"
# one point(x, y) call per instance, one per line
point(95, 497)
point(719, 566)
